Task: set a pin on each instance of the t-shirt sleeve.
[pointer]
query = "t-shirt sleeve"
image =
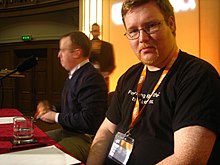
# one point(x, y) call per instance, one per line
point(198, 101)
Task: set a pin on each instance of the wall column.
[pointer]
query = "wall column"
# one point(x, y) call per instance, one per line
point(90, 12)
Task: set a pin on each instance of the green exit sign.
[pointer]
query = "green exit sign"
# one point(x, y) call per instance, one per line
point(26, 37)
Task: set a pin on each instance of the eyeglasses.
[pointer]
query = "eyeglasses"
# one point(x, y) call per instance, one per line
point(63, 50)
point(150, 28)
point(95, 31)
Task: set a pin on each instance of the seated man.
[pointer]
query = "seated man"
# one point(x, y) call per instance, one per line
point(166, 108)
point(84, 98)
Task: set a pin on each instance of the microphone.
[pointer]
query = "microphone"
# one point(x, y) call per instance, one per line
point(23, 66)
point(27, 64)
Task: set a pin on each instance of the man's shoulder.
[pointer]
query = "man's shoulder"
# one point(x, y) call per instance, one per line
point(133, 71)
point(106, 43)
point(87, 74)
point(189, 61)
point(89, 68)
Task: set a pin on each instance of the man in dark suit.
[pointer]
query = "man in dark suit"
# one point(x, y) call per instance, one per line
point(84, 98)
point(102, 55)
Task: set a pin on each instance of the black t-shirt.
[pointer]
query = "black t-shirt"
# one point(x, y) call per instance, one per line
point(188, 95)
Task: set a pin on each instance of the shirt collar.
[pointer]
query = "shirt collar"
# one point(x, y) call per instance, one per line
point(77, 67)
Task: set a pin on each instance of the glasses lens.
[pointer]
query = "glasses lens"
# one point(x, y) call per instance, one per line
point(132, 36)
point(151, 28)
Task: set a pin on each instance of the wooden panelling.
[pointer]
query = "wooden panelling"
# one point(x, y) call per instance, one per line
point(43, 81)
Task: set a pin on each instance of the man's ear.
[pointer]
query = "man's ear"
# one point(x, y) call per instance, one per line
point(78, 53)
point(172, 24)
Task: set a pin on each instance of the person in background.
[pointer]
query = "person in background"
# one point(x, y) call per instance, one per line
point(102, 55)
point(84, 98)
point(166, 109)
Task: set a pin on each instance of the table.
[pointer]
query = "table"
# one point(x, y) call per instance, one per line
point(4, 72)
point(6, 135)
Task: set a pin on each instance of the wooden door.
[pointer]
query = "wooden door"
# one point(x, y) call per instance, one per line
point(32, 87)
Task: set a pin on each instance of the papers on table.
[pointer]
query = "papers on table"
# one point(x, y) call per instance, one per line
point(6, 120)
point(44, 155)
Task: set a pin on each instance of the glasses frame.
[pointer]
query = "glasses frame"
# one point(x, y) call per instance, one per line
point(66, 49)
point(150, 28)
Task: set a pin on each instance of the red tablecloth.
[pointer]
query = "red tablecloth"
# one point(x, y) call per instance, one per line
point(6, 134)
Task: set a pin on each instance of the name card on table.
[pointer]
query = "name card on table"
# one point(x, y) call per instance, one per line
point(6, 120)
point(44, 155)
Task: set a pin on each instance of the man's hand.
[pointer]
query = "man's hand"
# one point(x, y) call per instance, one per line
point(49, 117)
point(42, 108)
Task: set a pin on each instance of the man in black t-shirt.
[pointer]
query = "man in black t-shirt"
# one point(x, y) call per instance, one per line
point(165, 109)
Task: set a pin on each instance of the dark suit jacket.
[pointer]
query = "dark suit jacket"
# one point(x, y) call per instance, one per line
point(105, 59)
point(84, 101)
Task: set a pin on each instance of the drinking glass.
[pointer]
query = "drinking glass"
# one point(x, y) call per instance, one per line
point(23, 129)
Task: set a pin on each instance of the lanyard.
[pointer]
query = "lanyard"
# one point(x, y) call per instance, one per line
point(136, 113)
